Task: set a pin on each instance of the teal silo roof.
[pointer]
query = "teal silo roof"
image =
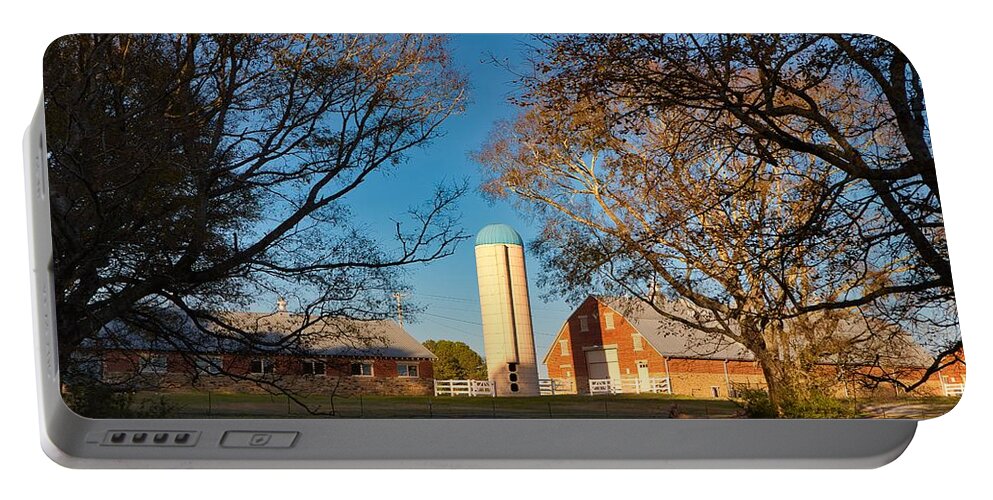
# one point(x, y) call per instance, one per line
point(498, 234)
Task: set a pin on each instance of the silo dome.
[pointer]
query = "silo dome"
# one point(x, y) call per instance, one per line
point(498, 234)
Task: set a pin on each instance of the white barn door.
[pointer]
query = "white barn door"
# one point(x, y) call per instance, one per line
point(643, 377)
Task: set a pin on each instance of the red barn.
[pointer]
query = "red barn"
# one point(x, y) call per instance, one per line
point(613, 345)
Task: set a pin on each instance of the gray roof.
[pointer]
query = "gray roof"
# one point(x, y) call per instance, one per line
point(672, 338)
point(863, 342)
point(875, 343)
point(276, 333)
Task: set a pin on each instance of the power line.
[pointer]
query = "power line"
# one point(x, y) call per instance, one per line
point(538, 315)
point(452, 328)
point(447, 308)
point(473, 301)
point(452, 308)
point(445, 297)
point(452, 319)
point(475, 323)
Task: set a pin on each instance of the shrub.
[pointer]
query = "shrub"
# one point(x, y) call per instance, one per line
point(809, 404)
point(93, 399)
point(757, 403)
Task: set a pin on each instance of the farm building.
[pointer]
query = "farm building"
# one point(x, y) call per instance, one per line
point(505, 306)
point(616, 345)
point(260, 352)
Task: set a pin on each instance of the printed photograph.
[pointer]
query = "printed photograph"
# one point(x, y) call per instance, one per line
point(496, 226)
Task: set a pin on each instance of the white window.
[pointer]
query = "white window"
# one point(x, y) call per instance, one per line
point(637, 341)
point(210, 365)
point(313, 367)
point(608, 319)
point(407, 370)
point(154, 364)
point(564, 347)
point(262, 366)
point(362, 369)
point(584, 324)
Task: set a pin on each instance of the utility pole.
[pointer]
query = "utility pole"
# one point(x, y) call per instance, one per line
point(399, 296)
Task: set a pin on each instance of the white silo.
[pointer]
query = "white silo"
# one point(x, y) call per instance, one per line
point(503, 298)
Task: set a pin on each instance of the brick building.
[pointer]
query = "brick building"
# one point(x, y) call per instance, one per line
point(286, 350)
point(615, 345)
point(952, 378)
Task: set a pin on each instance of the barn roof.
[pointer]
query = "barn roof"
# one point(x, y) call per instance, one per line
point(863, 342)
point(672, 338)
point(875, 343)
point(276, 332)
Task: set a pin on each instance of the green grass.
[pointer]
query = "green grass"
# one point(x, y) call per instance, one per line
point(228, 405)
point(221, 405)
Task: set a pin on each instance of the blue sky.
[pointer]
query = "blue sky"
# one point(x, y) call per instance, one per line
point(447, 288)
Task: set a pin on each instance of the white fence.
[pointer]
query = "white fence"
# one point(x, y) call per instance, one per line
point(655, 386)
point(630, 386)
point(469, 388)
point(953, 389)
point(604, 386)
point(551, 387)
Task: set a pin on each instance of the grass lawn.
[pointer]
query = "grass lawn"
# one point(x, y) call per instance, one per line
point(220, 405)
point(227, 405)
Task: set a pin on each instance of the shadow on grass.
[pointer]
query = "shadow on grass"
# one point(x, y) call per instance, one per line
point(226, 405)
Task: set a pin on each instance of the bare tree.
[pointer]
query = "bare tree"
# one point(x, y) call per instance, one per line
point(769, 180)
point(195, 174)
point(854, 103)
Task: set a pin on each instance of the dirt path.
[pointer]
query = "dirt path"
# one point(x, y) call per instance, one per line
point(906, 409)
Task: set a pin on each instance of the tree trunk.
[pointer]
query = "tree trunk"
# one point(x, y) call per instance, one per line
point(776, 381)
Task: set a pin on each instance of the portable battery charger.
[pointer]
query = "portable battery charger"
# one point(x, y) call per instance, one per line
point(327, 251)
